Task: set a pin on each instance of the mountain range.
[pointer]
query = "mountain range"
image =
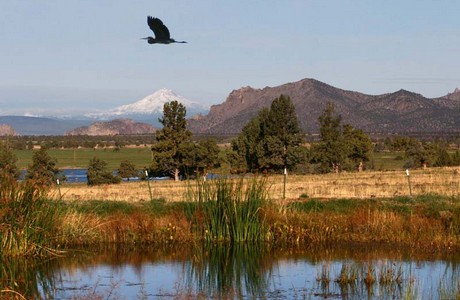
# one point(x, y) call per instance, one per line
point(399, 112)
point(146, 110)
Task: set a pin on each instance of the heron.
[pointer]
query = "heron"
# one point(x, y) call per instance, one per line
point(161, 32)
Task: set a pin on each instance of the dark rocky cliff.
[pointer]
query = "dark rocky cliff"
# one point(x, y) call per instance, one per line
point(397, 112)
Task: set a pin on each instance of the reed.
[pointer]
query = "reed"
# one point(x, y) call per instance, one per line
point(387, 278)
point(27, 219)
point(25, 278)
point(229, 210)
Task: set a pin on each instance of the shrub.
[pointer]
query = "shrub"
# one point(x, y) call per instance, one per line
point(98, 174)
point(43, 170)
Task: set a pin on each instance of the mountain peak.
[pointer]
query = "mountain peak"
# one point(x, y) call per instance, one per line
point(151, 104)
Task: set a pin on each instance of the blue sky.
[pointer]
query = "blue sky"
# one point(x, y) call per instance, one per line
point(66, 56)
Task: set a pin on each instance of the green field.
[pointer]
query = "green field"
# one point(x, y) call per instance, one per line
point(141, 157)
point(388, 160)
point(79, 158)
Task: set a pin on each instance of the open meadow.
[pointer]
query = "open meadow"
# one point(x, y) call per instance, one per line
point(79, 158)
point(142, 156)
point(369, 184)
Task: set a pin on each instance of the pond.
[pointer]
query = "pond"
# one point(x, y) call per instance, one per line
point(79, 176)
point(236, 272)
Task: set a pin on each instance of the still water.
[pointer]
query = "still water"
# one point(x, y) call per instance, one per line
point(235, 272)
point(80, 176)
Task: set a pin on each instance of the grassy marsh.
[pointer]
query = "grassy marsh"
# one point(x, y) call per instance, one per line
point(233, 210)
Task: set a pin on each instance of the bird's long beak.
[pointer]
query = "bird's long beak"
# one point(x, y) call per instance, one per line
point(145, 38)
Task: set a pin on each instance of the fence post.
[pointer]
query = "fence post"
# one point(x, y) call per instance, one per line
point(284, 184)
point(59, 189)
point(408, 181)
point(148, 183)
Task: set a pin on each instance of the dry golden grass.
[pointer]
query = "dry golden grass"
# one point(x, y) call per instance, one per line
point(442, 181)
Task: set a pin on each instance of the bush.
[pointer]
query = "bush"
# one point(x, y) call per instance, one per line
point(127, 170)
point(98, 173)
point(43, 170)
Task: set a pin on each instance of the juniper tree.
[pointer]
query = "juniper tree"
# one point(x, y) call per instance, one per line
point(127, 169)
point(199, 157)
point(166, 150)
point(8, 162)
point(340, 146)
point(43, 170)
point(330, 151)
point(270, 141)
point(99, 174)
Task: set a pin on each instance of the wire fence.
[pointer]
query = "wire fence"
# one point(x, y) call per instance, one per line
point(441, 181)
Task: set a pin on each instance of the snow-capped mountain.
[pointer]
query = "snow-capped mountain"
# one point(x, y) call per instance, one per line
point(150, 105)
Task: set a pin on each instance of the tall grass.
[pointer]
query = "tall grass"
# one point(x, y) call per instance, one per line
point(27, 219)
point(26, 278)
point(229, 210)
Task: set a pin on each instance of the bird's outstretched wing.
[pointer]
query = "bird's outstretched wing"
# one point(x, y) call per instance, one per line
point(159, 29)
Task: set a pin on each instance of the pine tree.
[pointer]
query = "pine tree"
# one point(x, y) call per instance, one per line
point(166, 152)
point(270, 140)
point(358, 146)
point(43, 170)
point(199, 157)
point(127, 169)
point(8, 162)
point(98, 174)
point(330, 151)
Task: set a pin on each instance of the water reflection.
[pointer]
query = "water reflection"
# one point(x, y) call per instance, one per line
point(29, 278)
point(226, 270)
point(235, 271)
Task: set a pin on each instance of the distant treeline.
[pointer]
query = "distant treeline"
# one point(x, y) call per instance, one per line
point(76, 141)
point(23, 142)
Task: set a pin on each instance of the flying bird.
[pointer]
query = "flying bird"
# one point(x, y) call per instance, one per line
point(161, 32)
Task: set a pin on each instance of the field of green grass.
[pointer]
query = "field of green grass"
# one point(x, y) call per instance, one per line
point(388, 160)
point(141, 157)
point(79, 158)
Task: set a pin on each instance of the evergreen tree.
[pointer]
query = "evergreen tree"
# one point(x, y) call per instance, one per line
point(166, 151)
point(199, 157)
point(330, 151)
point(98, 174)
point(283, 135)
point(456, 158)
point(246, 149)
point(340, 146)
point(442, 156)
point(43, 170)
point(127, 169)
point(419, 154)
point(358, 146)
point(270, 141)
point(8, 162)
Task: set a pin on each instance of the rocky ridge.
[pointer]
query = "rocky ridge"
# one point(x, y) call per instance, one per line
point(114, 127)
point(398, 112)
